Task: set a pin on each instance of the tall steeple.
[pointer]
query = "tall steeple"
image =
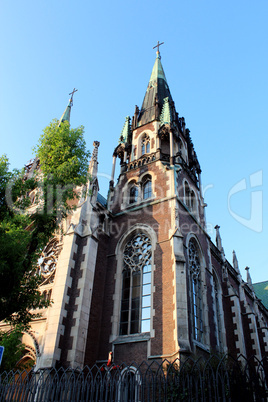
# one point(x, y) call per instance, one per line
point(156, 92)
point(67, 112)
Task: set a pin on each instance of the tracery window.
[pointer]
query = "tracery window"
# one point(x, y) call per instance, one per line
point(133, 194)
point(196, 294)
point(47, 261)
point(145, 144)
point(136, 286)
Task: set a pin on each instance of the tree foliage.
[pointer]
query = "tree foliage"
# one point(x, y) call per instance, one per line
point(24, 229)
point(14, 349)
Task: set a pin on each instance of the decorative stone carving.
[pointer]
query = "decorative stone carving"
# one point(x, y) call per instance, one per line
point(48, 261)
point(194, 261)
point(138, 252)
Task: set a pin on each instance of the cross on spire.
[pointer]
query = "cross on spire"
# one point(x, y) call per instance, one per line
point(158, 44)
point(72, 95)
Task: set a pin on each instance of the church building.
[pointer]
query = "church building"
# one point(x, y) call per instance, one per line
point(137, 274)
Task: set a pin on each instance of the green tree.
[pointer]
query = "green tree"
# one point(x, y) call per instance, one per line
point(25, 231)
point(14, 349)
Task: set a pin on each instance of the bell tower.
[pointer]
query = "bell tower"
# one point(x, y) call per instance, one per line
point(156, 203)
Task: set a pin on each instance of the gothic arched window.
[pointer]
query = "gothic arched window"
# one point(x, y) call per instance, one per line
point(190, 198)
point(147, 189)
point(187, 194)
point(136, 286)
point(196, 293)
point(133, 194)
point(145, 144)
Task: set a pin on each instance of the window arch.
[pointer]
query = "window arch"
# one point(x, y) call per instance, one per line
point(147, 189)
point(195, 290)
point(190, 198)
point(136, 286)
point(187, 194)
point(133, 194)
point(145, 144)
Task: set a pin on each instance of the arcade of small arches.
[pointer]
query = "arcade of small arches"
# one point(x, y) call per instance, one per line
point(145, 151)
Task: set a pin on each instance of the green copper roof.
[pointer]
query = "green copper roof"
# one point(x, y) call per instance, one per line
point(261, 291)
point(158, 71)
point(67, 113)
point(102, 200)
point(165, 117)
point(156, 92)
point(125, 133)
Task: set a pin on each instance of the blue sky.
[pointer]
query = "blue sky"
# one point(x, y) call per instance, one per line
point(215, 60)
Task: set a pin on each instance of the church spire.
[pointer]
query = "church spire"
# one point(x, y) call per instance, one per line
point(67, 112)
point(156, 92)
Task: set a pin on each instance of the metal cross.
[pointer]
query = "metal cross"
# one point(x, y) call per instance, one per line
point(72, 95)
point(158, 44)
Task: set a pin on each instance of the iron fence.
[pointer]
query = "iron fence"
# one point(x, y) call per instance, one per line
point(214, 379)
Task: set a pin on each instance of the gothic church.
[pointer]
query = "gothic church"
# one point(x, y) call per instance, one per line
point(137, 274)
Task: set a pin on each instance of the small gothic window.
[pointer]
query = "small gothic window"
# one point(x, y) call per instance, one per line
point(187, 194)
point(133, 194)
point(196, 294)
point(192, 201)
point(147, 189)
point(189, 198)
point(136, 286)
point(145, 144)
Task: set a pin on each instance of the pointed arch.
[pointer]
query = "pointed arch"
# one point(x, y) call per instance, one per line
point(136, 285)
point(133, 194)
point(190, 198)
point(132, 311)
point(145, 144)
point(146, 187)
point(197, 292)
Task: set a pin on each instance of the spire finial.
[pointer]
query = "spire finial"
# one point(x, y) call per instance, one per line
point(158, 44)
point(72, 95)
point(67, 111)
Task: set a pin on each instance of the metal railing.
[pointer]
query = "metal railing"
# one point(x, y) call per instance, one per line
point(213, 379)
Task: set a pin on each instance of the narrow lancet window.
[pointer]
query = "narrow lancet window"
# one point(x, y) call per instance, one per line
point(196, 294)
point(147, 189)
point(133, 194)
point(145, 144)
point(136, 286)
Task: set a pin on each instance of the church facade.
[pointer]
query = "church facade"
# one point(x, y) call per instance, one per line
point(137, 274)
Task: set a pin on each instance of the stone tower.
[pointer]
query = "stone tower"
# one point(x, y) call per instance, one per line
point(162, 287)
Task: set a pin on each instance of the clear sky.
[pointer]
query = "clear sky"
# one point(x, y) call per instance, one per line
point(215, 60)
